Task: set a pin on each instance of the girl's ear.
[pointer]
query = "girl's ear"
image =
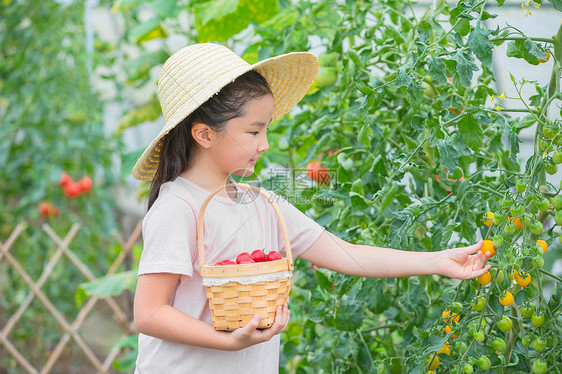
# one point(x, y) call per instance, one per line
point(202, 134)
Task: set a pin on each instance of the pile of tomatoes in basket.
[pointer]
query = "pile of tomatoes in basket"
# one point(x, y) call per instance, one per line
point(249, 258)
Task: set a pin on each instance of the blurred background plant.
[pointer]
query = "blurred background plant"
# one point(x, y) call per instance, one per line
point(50, 125)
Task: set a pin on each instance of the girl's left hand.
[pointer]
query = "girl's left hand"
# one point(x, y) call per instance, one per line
point(463, 262)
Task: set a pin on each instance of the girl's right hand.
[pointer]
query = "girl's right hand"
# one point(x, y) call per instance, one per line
point(249, 335)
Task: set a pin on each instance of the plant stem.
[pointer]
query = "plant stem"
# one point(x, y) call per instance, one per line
point(518, 110)
point(535, 39)
point(366, 346)
point(550, 275)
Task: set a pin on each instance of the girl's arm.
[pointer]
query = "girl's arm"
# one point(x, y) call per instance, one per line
point(154, 316)
point(333, 253)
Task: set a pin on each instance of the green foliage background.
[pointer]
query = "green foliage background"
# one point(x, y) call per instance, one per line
point(50, 122)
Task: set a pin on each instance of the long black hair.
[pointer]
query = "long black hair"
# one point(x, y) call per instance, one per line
point(178, 145)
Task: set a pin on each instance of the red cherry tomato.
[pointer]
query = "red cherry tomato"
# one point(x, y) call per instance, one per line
point(258, 255)
point(72, 190)
point(247, 261)
point(65, 179)
point(242, 256)
point(273, 256)
point(47, 209)
point(85, 184)
point(317, 173)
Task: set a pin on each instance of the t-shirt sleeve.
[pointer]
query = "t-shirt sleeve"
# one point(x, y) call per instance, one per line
point(303, 231)
point(169, 237)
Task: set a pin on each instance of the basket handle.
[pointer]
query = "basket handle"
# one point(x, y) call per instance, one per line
point(201, 223)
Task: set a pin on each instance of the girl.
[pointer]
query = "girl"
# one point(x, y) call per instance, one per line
point(217, 109)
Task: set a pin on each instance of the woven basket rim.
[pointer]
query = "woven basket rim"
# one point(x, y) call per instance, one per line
point(228, 271)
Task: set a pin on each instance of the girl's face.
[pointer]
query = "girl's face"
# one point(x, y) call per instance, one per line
point(245, 138)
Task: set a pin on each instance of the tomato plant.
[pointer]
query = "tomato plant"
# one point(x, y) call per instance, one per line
point(425, 162)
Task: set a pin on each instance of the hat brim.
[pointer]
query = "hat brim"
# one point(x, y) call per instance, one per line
point(289, 77)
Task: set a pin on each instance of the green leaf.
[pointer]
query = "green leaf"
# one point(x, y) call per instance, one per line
point(471, 132)
point(323, 280)
point(213, 10)
point(140, 67)
point(357, 187)
point(130, 341)
point(534, 49)
point(109, 285)
point(449, 155)
point(148, 30)
point(494, 303)
point(218, 20)
point(415, 299)
point(514, 141)
point(481, 46)
point(373, 293)
point(365, 135)
point(124, 5)
point(435, 344)
point(446, 236)
point(250, 55)
point(166, 8)
point(126, 363)
point(349, 314)
point(555, 297)
point(403, 79)
point(437, 70)
point(344, 161)
point(520, 49)
point(557, 4)
point(464, 69)
point(463, 27)
point(354, 56)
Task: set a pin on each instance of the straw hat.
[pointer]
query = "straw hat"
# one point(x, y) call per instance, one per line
point(195, 73)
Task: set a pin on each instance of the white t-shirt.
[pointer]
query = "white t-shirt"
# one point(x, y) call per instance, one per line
point(231, 227)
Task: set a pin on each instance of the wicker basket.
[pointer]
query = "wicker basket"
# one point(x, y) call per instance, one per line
point(238, 292)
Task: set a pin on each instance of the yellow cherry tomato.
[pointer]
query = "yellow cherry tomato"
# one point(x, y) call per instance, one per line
point(485, 278)
point(506, 298)
point(448, 317)
point(434, 363)
point(547, 58)
point(448, 329)
point(488, 246)
point(523, 279)
point(446, 349)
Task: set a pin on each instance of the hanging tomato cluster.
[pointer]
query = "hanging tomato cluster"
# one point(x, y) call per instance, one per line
point(73, 189)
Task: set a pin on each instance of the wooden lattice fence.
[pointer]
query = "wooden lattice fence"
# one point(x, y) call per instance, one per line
point(70, 328)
